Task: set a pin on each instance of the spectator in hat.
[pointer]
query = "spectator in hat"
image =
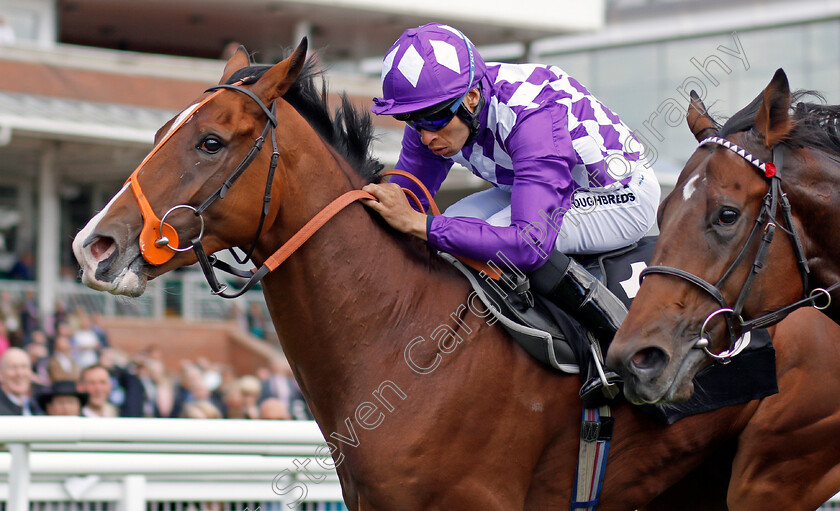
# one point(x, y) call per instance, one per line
point(249, 386)
point(63, 398)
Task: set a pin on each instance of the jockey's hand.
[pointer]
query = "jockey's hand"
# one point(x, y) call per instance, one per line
point(393, 205)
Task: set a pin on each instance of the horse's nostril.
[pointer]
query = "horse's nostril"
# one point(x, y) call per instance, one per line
point(649, 358)
point(101, 248)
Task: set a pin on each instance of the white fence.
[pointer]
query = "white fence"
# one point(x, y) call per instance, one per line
point(85, 464)
point(81, 463)
point(186, 294)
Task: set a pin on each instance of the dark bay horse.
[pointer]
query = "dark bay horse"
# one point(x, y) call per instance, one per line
point(727, 242)
point(425, 403)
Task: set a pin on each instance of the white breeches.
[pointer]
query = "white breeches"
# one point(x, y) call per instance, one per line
point(598, 221)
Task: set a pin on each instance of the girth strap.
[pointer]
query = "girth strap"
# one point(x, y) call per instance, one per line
point(595, 435)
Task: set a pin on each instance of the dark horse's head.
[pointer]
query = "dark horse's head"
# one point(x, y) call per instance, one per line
point(208, 173)
point(709, 232)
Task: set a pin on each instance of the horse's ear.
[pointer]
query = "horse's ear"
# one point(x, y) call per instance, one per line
point(773, 120)
point(235, 63)
point(700, 122)
point(277, 80)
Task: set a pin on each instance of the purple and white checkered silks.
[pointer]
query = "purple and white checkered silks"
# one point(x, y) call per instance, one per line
point(604, 147)
point(542, 137)
point(426, 66)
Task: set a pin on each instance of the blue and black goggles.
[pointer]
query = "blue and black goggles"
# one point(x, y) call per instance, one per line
point(434, 118)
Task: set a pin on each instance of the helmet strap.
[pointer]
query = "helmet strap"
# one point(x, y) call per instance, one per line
point(472, 119)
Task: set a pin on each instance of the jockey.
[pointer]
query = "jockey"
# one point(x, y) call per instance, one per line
point(568, 176)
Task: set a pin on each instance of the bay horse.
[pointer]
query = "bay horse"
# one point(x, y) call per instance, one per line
point(426, 404)
point(751, 213)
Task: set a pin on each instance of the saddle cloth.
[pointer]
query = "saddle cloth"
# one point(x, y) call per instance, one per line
point(557, 340)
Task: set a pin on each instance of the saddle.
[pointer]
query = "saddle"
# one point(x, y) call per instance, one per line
point(545, 331)
point(557, 340)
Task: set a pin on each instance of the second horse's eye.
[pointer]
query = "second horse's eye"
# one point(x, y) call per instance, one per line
point(211, 145)
point(728, 216)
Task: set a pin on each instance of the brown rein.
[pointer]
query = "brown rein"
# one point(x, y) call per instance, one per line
point(304, 233)
point(313, 225)
point(323, 216)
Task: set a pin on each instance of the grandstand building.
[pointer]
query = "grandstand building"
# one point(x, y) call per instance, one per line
point(84, 84)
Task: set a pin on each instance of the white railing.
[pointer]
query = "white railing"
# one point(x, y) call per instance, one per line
point(128, 464)
point(187, 293)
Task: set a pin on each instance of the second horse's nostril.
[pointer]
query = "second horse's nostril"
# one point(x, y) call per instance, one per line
point(101, 248)
point(649, 358)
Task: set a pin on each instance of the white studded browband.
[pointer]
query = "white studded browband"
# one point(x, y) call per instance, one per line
point(768, 169)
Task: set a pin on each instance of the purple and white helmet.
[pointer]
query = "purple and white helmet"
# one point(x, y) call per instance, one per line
point(425, 67)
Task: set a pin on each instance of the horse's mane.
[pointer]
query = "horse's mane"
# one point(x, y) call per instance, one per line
point(348, 131)
point(816, 125)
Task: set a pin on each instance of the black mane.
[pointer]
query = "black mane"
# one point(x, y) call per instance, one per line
point(816, 125)
point(348, 131)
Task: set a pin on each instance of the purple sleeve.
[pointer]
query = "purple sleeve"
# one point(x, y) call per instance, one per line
point(541, 194)
point(422, 163)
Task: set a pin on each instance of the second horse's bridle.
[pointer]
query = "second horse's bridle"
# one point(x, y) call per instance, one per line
point(766, 224)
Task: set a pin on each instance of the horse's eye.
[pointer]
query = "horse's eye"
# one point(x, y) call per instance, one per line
point(728, 216)
point(211, 145)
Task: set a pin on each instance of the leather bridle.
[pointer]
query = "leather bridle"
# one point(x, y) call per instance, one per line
point(763, 230)
point(164, 238)
point(159, 240)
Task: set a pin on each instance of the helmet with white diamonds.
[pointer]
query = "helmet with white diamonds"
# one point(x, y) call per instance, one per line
point(428, 66)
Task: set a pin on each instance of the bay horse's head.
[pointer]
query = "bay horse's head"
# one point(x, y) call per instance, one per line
point(170, 200)
point(708, 273)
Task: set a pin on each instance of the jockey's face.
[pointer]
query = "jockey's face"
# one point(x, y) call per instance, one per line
point(450, 139)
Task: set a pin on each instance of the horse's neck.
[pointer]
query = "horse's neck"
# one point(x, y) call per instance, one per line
point(813, 188)
point(349, 294)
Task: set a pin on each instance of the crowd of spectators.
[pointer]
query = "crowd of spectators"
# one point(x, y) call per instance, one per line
point(66, 365)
